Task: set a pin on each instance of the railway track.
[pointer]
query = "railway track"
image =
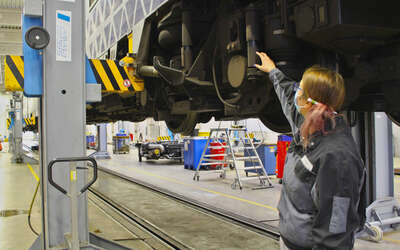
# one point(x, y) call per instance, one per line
point(170, 221)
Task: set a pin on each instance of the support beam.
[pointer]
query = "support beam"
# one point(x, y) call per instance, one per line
point(383, 157)
point(373, 134)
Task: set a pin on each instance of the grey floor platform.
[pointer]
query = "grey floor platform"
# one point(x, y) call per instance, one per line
point(259, 205)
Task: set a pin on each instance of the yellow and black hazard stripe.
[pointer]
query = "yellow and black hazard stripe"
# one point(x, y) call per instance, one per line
point(30, 121)
point(14, 73)
point(33, 120)
point(8, 123)
point(251, 135)
point(31, 124)
point(108, 73)
point(164, 138)
point(114, 78)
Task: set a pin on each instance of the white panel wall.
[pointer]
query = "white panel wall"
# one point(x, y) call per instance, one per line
point(255, 126)
point(30, 106)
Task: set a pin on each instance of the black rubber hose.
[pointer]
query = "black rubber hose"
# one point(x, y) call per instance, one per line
point(30, 209)
point(216, 84)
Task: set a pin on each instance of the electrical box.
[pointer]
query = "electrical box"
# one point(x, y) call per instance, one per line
point(345, 25)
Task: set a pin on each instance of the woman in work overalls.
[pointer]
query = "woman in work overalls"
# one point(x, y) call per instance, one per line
point(320, 205)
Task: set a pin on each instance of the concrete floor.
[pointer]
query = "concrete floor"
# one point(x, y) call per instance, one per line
point(17, 185)
point(194, 229)
point(259, 205)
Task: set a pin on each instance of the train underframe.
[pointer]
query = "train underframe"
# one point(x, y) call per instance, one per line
point(197, 59)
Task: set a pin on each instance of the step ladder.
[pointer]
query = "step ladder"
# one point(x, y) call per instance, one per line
point(234, 145)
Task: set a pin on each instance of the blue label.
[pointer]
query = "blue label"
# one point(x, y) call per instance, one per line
point(63, 17)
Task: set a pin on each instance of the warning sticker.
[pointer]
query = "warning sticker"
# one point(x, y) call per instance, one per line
point(127, 83)
point(63, 35)
point(73, 175)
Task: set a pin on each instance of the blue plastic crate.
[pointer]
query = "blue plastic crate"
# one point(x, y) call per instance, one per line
point(267, 157)
point(89, 139)
point(192, 156)
point(284, 138)
point(121, 141)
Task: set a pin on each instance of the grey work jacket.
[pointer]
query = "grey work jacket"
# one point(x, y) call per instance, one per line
point(319, 206)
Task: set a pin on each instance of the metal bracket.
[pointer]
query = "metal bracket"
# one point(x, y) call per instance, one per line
point(72, 159)
point(382, 216)
point(93, 92)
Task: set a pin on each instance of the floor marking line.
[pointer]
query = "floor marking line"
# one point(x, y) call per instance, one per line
point(391, 240)
point(33, 172)
point(207, 190)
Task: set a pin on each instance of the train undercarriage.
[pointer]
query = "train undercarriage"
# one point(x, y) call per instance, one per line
point(197, 59)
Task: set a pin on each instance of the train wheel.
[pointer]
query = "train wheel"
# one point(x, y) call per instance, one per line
point(377, 234)
point(278, 125)
point(184, 125)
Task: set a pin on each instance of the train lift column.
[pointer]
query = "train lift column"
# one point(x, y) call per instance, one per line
point(63, 98)
point(101, 151)
point(373, 133)
point(15, 142)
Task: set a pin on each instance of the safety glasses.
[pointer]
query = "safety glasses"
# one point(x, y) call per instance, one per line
point(297, 87)
point(301, 91)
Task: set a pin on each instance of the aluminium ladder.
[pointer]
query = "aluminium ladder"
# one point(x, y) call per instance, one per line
point(242, 142)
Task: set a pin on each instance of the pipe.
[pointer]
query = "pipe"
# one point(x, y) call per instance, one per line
point(386, 222)
point(284, 15)
point(186, 50)
point(156, 146)
point(252, 36)
point(147, 71)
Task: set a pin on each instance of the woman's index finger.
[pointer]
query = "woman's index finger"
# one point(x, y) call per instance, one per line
point(265, 55)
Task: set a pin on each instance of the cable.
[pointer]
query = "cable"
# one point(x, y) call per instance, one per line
point(215, 83)
point(30, 209)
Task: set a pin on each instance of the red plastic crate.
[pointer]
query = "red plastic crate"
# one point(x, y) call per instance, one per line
point(216, 150)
